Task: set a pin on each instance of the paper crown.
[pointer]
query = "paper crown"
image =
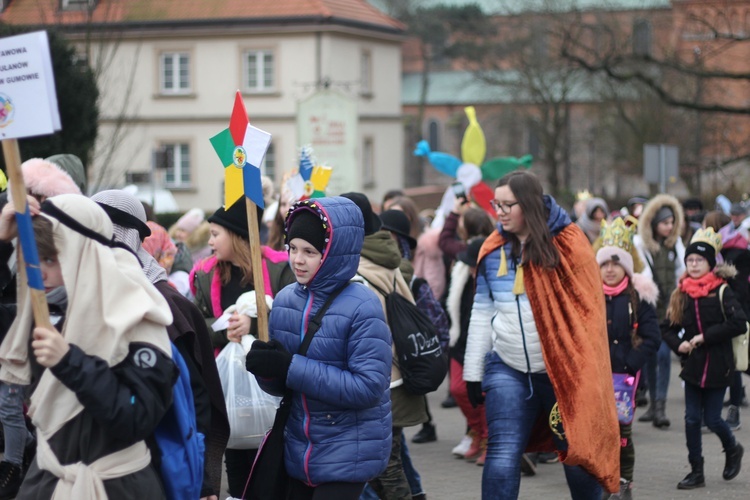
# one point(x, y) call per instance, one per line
point(617, 234)
point(707, 236)
point(583, 195)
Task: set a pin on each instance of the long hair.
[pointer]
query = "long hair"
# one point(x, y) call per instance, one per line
point(716, 219)
point(408, 206)
point(276, 231)
point(635, 339)
point(44, 237)
point(676, 307)
point(241, 251)
point(539, 248)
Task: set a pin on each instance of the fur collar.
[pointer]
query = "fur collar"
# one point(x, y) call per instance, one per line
point(649, 212)
point(646, 288)
point(725, 271)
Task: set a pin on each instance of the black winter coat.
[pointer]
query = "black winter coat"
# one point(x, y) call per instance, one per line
point(711, 364)
point(624, 357)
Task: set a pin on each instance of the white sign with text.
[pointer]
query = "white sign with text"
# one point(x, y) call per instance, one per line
point(28, 102)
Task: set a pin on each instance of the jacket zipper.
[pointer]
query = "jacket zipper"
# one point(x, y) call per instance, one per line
point(306, 420)
point(700, 330)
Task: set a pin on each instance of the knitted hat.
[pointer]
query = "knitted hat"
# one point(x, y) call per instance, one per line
point(372, 221)
point(737, 209)
point(397, 222)
point(73, 166)
point(235, 219)
point(664, 213)
point(307, 226)
point(191, 220)
point(707, 244)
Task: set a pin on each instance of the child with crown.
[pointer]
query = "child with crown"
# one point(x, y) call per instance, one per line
point(632, 328)
point(702, 318)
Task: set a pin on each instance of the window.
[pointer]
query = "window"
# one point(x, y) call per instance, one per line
point(368, 163)
point(433, 134)
point(365, 72)
point(268, 167)
point(641, 37)
point(138, 178)
point(76, 4)
point(175, 73)
point(259, 71)
point(177, 174)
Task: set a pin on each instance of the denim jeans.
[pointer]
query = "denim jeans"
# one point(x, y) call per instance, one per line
point(14, 425)
point(412, 476)
point(735, 389)
point(704, 403)
point(513, 402)
point(657, 373)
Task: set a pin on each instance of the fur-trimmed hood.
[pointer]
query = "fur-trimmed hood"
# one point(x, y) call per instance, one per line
point(646, 232)
point(46, 179)
point(725, 271)
point(646, 288)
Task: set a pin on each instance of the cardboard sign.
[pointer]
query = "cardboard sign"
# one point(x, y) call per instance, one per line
point(28, 102)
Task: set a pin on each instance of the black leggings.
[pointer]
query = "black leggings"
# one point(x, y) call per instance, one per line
point(326, 491)
point(238, 463)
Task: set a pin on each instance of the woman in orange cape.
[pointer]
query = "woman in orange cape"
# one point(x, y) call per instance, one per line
point(537, 346)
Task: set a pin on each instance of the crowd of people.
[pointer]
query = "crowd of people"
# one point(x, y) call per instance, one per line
point(556, 325)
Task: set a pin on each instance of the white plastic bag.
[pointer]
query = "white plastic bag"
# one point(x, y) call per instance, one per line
point(250, 410)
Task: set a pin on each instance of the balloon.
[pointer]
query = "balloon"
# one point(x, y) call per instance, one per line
point(473, 146)
point(442, 162)
point(497, 167)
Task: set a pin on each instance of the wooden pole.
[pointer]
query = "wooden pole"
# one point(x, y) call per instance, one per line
point(27, 253)
point(255, 257)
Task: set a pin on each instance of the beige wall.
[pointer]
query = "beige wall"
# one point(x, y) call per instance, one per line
point(129, 86)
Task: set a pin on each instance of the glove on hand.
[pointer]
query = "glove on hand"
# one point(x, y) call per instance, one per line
point(474, 391)
point(268, 359)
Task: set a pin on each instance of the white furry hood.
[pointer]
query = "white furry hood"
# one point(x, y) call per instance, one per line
point(646, 288)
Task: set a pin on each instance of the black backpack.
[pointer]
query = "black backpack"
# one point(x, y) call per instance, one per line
point(421, 360)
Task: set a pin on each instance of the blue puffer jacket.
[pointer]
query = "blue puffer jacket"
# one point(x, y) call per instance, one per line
point(340, 423)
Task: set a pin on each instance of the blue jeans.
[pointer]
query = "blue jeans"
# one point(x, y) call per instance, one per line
point(412, 476)
point(704, 403)
point(513, 402)
point(14, 425)
point(657, 373)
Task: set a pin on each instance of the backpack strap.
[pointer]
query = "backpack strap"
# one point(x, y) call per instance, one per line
point(314, 324)
point(377, 288)
point(721, 300)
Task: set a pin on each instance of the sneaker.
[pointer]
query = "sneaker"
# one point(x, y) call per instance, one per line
point(449, 402)
point(10, 480)
point(461, 448)
point(733, 417)
point(426, 434)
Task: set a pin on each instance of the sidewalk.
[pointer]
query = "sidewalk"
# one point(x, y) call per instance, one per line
point(661, 459)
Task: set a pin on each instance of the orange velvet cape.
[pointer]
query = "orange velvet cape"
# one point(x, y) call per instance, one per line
point(570, 316)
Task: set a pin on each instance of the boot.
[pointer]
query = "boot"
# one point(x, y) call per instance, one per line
point(660, 419)
point(733, 462)
point(528, 464)
point(641, 397)
point(695, 479)
point(425, 435)
point(475, 449)
point(649, 415)
point(10, 480)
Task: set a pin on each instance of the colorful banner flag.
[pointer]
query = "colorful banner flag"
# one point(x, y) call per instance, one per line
point(241, 149)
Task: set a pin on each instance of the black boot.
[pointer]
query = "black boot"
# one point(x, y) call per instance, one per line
point(425, 435)
point(733, 462)
point(10, 480)
point(641, 396)
point(660, 419)
point(649, 415)
point(695, 479)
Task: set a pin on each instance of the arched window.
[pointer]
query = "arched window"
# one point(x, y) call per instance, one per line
point(433, 135)
point(642, 37)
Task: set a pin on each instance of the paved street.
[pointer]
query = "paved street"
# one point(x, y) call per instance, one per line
point(661, 459)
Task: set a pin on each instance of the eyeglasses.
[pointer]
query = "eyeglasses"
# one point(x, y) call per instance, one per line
point(695, 262)
point(504, 207)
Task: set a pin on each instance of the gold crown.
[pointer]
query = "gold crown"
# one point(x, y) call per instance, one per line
point(583, 195)
point(707, 236)
point(617, 234)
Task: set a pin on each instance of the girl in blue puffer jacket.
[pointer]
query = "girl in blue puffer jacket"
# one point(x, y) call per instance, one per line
point(339, 432)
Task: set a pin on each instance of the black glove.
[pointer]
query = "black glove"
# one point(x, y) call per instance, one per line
point(268, 359)
point(474, 391)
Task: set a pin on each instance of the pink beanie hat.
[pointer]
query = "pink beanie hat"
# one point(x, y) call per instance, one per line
point(47, 179)
point(618, 255)
point(191, 220)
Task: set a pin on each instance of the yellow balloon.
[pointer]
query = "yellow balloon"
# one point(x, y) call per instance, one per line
point(473, 146)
